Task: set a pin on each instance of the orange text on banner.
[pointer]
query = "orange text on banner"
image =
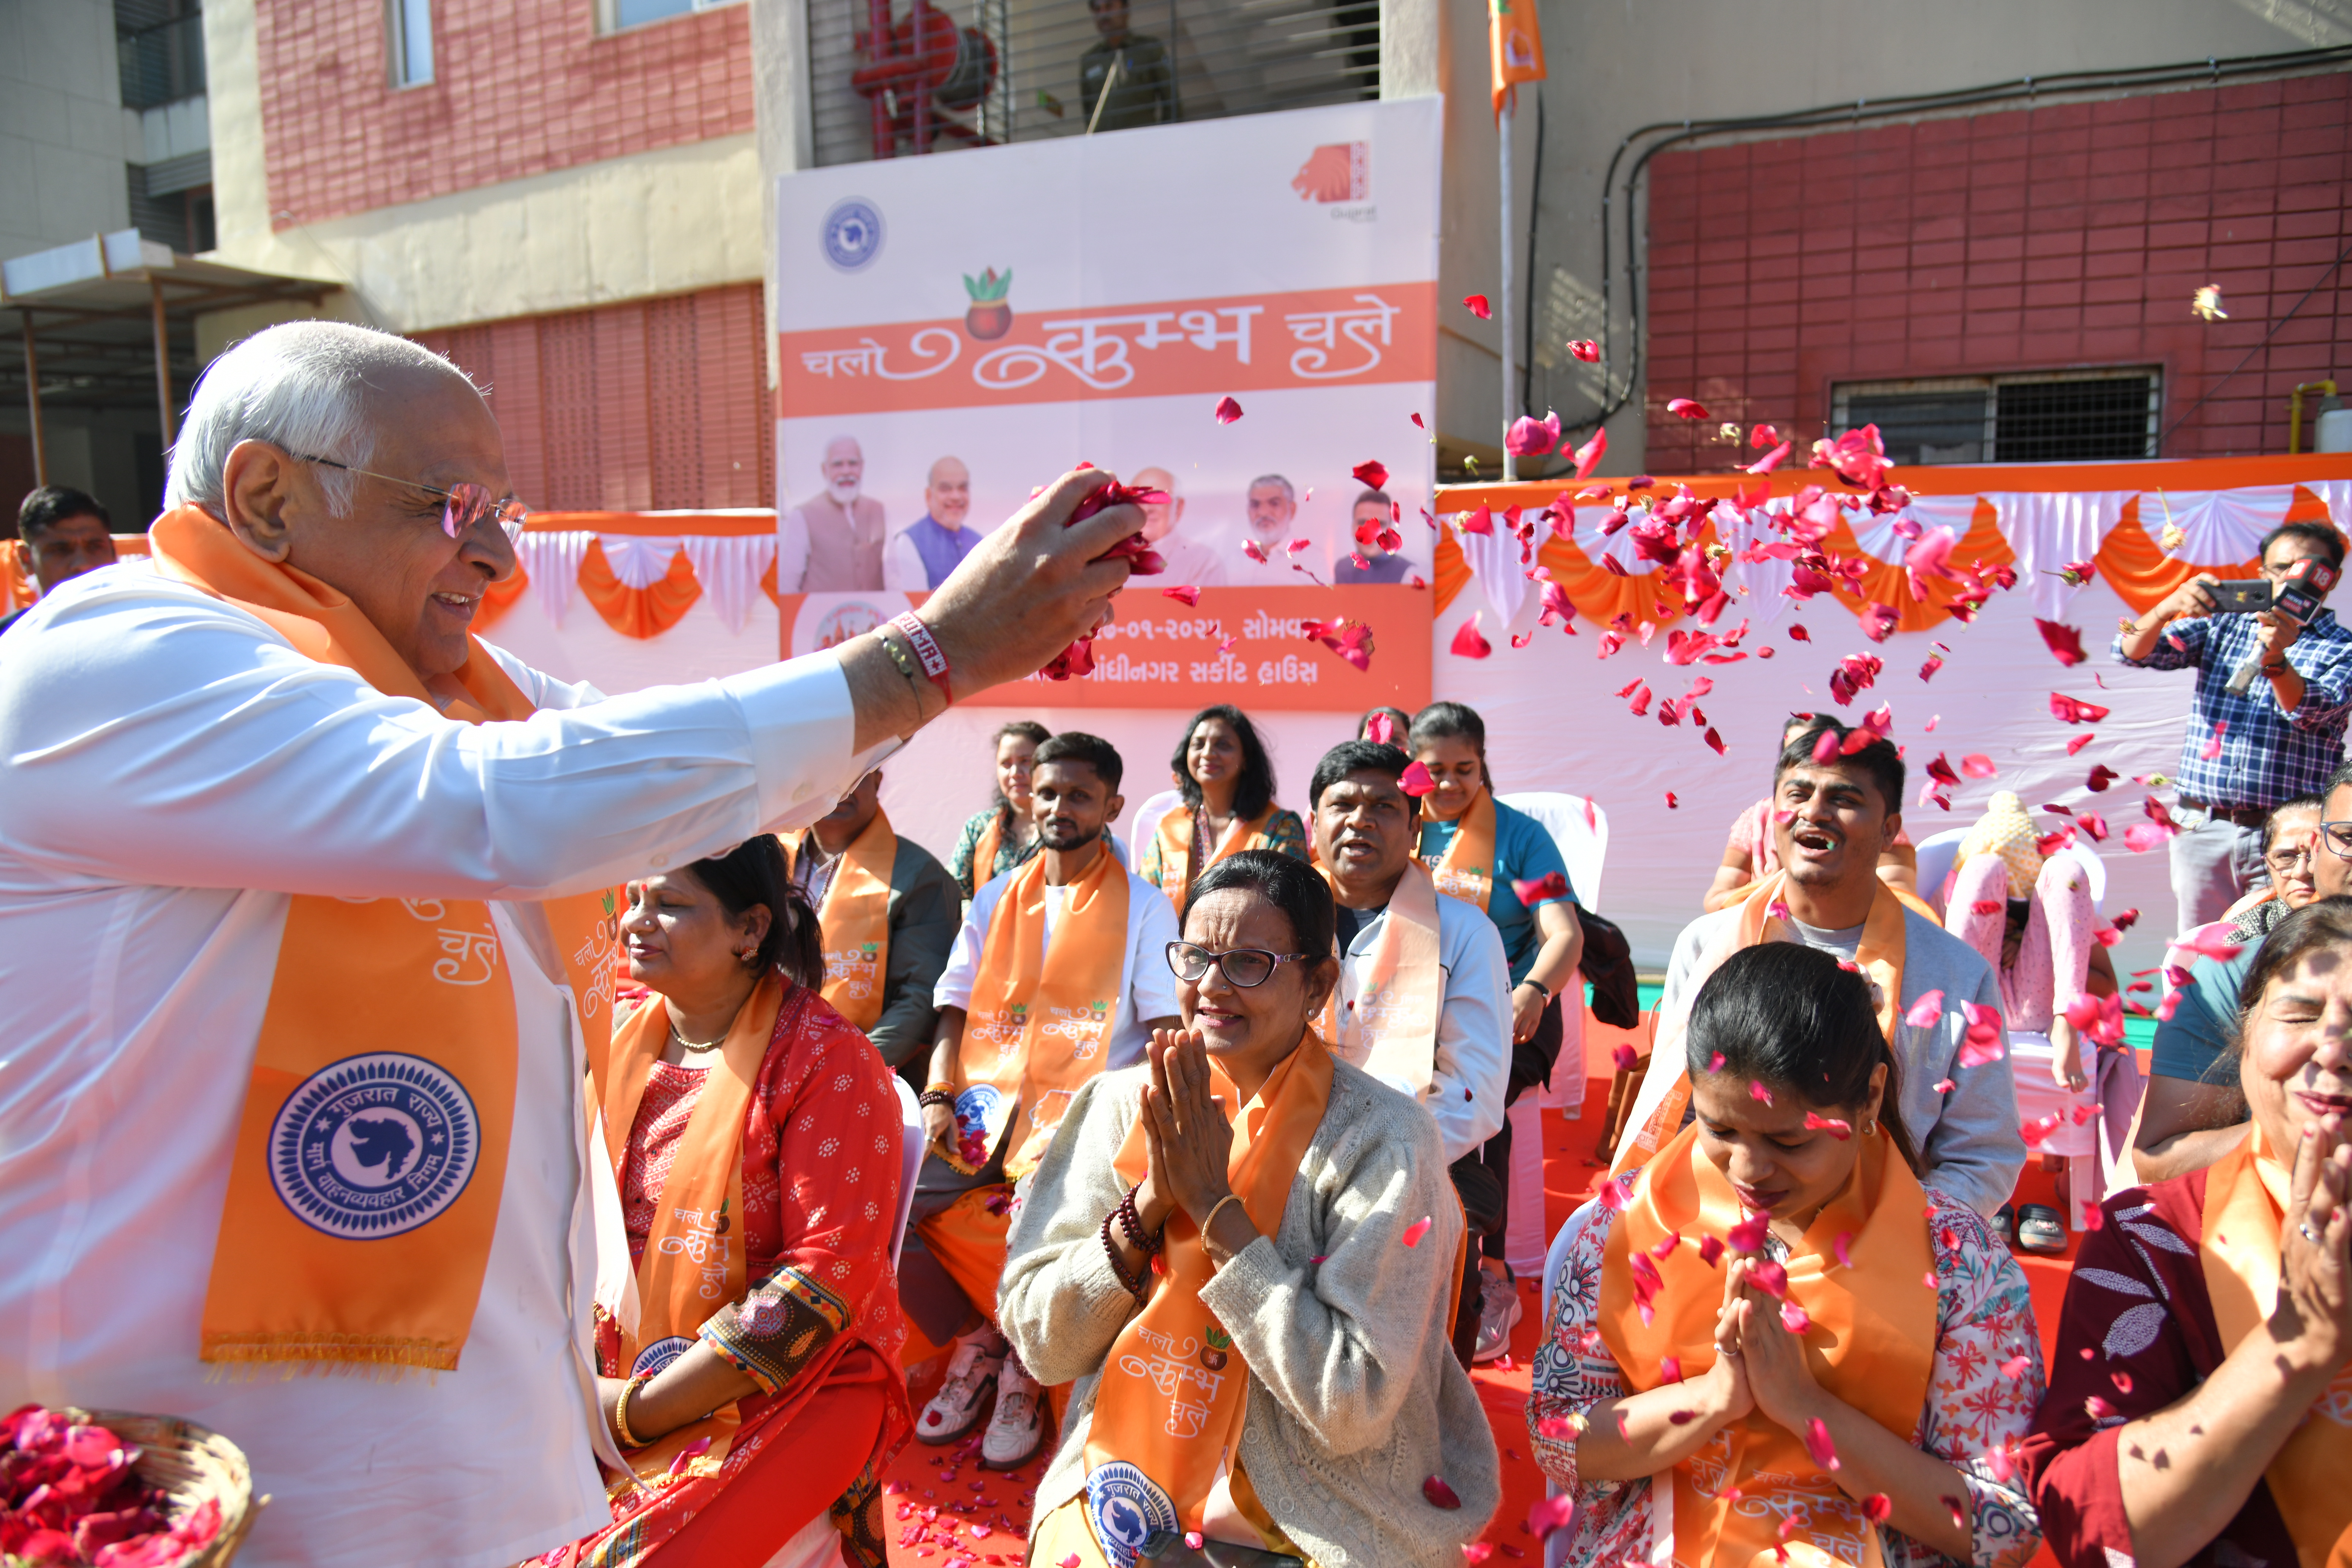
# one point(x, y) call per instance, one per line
point(1314, 337)
point(1160, 653)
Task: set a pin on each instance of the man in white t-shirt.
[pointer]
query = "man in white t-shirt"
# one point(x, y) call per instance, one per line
point(989, 1124)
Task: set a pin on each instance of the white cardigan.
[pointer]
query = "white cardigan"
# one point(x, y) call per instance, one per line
point(1355, 1397)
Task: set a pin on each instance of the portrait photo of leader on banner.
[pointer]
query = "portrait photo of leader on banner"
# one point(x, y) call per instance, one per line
point(832, 542)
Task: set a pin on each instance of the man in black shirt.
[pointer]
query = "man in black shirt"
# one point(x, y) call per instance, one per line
point(1144, 90)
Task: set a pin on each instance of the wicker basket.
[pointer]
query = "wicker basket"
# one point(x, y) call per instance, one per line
point(189, 1464)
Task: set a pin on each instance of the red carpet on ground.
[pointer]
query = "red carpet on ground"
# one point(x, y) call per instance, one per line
point(979, 1517)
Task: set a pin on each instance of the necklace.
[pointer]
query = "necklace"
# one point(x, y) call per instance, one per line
point(685, 1044)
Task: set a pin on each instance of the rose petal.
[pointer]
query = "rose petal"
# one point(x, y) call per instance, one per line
point(1584, 349)
point(1227, 411)
point(1688, 408)
point(1818, 1444)
point(1187, 595)
point(1415, 1231)
point(1439, 1494)
point(1478, 307)
point(1415, 780)
point(1468, 643)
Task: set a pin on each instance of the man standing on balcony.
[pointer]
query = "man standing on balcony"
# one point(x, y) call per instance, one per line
point(1125, 79)
point(922, 554)
point(832, 542)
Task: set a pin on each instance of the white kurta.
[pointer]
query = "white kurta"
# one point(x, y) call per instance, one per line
point(173, 771)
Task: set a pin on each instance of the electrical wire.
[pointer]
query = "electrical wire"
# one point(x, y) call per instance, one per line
point(2211, 69)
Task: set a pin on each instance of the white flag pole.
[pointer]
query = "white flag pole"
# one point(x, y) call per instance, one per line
point(1505, 311)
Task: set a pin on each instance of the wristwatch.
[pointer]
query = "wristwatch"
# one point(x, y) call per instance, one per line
point(1540, 986)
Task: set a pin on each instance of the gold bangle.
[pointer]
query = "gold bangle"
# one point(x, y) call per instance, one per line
point(940, 1084)
point(621, 1411)
point(1214, 1211)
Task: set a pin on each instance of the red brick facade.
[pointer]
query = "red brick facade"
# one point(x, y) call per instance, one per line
point(652, 403)
point(520, 88)
point(2070, 237)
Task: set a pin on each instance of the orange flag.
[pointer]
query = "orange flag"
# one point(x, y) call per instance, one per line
point(1515, 40)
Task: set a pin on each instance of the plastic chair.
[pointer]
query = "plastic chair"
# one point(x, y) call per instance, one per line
point(1580, 828)
point(1555, 1544)
point(1936, 853)
point(911, 1159)
point(1146, 822)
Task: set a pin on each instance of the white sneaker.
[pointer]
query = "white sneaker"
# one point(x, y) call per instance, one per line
point(955, 1408)
point(1498, 1313)
point(1017, 1430)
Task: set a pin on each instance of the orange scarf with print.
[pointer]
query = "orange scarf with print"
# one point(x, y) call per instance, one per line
point(1467, 870)
point(856, 918)
point(1040, 1018)
point(1385, 1021)
point(1167, 1427)
point(363, 1190)
point(693, 1265)
point(1177, 872)
point(2246, 1195)
point(1872, 1343)
point(1879, 955)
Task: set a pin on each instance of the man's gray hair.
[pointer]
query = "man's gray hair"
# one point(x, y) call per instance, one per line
point(1287, 493)
point(300, 386)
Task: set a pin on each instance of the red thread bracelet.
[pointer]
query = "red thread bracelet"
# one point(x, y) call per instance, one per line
point(926, 650)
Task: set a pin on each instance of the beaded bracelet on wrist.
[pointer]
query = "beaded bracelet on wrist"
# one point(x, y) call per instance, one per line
point(939, 1097)
point(1130, 1221)
point(1133, 1286)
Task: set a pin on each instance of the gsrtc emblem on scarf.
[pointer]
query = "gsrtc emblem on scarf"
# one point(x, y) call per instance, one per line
point(1129, 1510)
point(374, 1145)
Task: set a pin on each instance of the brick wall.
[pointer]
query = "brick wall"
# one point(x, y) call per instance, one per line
point(2054, 239)
point(655, 404)
point(520, 86)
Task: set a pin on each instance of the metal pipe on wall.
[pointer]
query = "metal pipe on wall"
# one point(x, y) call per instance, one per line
point(163, 363)
point(32, 398)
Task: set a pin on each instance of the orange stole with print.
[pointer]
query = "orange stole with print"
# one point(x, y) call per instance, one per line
point(1040, 1019)
point(856, 918)
point(370, 1154)
point(1388, 1023)
point(1176, 872)
point(1467, 870)
point(2246, 1195)
point(1879, 955)
point(693, 1265)
point(1872, 1343)
point(1168, 1412)
point(983, 853)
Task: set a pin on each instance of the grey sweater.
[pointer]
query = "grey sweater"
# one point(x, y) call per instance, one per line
point(1355, 1397)
point(1968, 1140)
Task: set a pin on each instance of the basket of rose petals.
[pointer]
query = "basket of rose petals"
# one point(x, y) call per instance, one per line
point(113, 1489)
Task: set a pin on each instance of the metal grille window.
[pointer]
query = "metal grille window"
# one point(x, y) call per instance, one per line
point(2073, 416)
point(162, 61)
point(984, 72)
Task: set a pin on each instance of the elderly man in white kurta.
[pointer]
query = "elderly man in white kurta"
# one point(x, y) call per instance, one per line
point(304, 941)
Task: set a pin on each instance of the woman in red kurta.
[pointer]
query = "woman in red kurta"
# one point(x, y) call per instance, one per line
point(2200, 1399)
point(750, 1376)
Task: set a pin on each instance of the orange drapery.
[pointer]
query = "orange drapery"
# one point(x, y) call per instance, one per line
point(1890, 584)
point(2143, 576)
point(1599, 594)
point(644, 612)
point(499, 597)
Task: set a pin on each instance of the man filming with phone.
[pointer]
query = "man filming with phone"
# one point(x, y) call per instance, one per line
point(2274, 684)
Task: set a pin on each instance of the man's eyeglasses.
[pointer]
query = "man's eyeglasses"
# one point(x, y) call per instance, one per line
point(1244, 966)
point(2338, 837)
point(463, 505)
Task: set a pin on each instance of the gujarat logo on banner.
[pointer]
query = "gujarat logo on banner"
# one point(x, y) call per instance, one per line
point(954, 330)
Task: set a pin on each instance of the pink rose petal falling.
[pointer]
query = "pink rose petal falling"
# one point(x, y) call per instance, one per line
point(1187, 595)
point(1818, 1444)
point(1439, 1494)
point(1227, 411)
point(1478, 307)
point(1415, 780)
point(1468, 643)
point(1584, 349)
point(1927, 1012)
point(1688, 408)
point(1415, 1231)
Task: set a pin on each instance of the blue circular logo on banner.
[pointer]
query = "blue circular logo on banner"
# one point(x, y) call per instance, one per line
point(852, 232)
point(374, 1145)
point(1129, 1510)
